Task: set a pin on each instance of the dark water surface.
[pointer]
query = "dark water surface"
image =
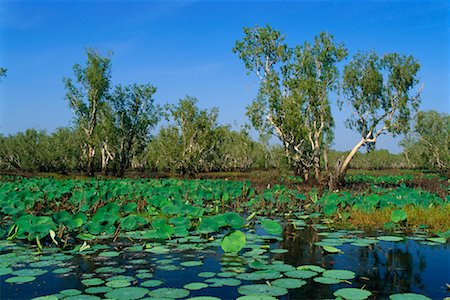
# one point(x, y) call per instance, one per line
point(383, 268)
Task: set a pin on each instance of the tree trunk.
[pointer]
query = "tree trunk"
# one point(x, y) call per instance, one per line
point(343, 167)
point(91, 161)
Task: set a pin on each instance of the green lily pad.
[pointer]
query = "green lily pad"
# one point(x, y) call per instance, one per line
point(61, 270)
point(206, 274)
point(440, 240)
point(109, 254)
point(5, 271)
point(331, 249)
point(194, 286)
point(313, 268)
point(151, 283)
point(303, 274)
point(262, 289)
point(70, 292)
point(289, 283)
point(98, 290)
point(82, 297)
point(173, 293)
point(272, 227)
point(29, 272)
point(390, 238)
point(339, 274)
point(256, 297)
point(398, 215)
point(118, 283)
point(48, 297)
point(408, 296)
point(219, 282)
point(327, 280)
point(92, 281)
point(127, 293)
point(233, 242)
point(20, 279)
point(191, 263)
point(352, 294)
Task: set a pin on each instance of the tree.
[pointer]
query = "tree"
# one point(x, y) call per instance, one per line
point(313, 74)
point(378, 91)
point(134, 115)
point(186, 145)
point(429, 143)
point(293, 99)
point(86, 95)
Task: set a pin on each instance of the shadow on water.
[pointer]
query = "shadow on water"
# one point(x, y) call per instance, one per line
point(383, 268)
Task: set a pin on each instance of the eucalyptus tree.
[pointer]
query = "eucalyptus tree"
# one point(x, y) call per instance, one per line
point(429, 142)
point(86, 94)
point(379, 93)
point(134, 114)
point(313, 74)
point(185, 145)
point(293, 101)
point(265, 53)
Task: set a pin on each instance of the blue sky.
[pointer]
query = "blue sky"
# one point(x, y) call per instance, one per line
point(184, 48)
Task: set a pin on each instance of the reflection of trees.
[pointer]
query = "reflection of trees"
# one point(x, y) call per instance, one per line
point(389, 268)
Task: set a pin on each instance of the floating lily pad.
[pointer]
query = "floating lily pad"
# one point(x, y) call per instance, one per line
point(191, 263)
point(352, 294)
point(303, 274)
point(92, 281)
point(272, 227)
point(169, 293)
point(98, 290)
point(233, 242)
point(256, 297)
point(339, 274)
point(29, 272)
point(288, 283)
point(70, 292)
point(48, 297)
point(20, 279)
point(151, 283)
point(118, 283)
point(313, 268)
point(82, 297)
point(327, 280)
point(390, 238)
point(128, 293)
point(204, 298)
point(218, 282)
point(109, 254)
point(440, 240)
point(331, 249)
point(262, 289)
point(408, 296)
point(206, 274)
point(5, 271)
point(193, 286)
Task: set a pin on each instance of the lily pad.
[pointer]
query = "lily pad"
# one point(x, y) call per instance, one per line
point(352, 294)
point(92, 281)
point(173, 293)
point(312, 268)
point(262, 289)
point(118, 283)
point(127, 293)
point(327, 280)
point(398, 215)
point(390, 238)
point(233, 242)
point(191, 263)
point(339, 274)
point(289, 283)
point(152, 283)
point(194, 286)
point(331, 249)
point(98, 290)
point(303, 274)
point(272, 227)
point(408, 296)
point(20, 279)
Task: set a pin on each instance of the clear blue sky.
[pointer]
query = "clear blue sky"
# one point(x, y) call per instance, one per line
point(184, 48)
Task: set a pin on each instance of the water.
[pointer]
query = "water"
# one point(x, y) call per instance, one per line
point(384, 268)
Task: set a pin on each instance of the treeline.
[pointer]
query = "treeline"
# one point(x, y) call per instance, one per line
point(114, 124)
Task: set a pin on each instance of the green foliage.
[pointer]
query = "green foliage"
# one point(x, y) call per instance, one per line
point(427, 146)
point(398, 215)
point(233, 242)
point(86, 94)
point(294, 87)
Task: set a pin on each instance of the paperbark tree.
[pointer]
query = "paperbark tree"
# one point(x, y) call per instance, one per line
point(86, 94)
point(379, 93)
